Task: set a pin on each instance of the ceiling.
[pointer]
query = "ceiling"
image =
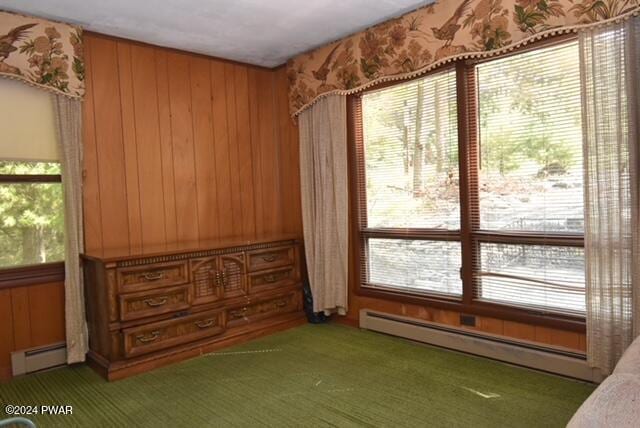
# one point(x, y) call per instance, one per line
point(261, 32)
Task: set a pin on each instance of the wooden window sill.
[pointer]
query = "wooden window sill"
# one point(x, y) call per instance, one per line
point(30, 275)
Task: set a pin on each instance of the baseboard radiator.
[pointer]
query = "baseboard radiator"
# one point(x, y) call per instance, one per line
point(36, 359)
point(528, 355)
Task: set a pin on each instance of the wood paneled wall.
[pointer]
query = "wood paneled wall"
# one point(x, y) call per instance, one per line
point(30, 316)
point(177, 147)
point(181, 147)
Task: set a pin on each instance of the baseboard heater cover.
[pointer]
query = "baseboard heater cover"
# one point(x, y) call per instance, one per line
point(562, 363)
point(36, 359)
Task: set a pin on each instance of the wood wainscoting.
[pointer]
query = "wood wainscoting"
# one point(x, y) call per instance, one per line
point(30, 316)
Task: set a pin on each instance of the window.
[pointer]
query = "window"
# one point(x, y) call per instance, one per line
point(412, 197)
point(31, 209)
point(493, 219)
point(31, 202)
point(530, 180)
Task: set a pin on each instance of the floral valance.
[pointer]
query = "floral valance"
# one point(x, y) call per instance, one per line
point(42, 53)
point(433, 35)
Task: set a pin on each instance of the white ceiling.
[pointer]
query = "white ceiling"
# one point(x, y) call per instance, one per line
point(262, 32)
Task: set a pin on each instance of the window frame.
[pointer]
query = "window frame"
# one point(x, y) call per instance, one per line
point(470, 234)
point(41, 273)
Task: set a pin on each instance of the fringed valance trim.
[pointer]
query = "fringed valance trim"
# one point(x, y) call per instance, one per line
point(306, 61)
point(44, 54)
point(40, 86)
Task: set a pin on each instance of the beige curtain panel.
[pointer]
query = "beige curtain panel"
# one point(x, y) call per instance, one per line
point(610, 69)
point(323, 173)
point(68, 116)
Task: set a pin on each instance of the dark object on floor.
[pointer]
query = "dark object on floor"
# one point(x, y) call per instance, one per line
point(313, 317)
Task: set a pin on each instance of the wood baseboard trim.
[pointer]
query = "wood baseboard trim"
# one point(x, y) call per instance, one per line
point(124, 369)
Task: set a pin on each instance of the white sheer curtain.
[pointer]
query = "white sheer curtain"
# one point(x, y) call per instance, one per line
point(323, 174)
point(610, 73)
point(68, 117)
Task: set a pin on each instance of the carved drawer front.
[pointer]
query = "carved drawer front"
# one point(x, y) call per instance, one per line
point(207, 280)
point(152, 276)
point(164, 334)
point(274, 278)
point(241, 315)
point(232, 275)
point(155, 302)
point(271, 258)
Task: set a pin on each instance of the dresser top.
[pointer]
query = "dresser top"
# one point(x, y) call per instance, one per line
point(118, 254)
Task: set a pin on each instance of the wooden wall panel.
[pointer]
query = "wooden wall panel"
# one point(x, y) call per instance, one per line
point(245, 160)
point(30, 316)
point(148, 144)
point(90, 200)
point(6, 334)
point(206, 185)
point(221, 144)
point(129, 145)
point(234, 163)
point(256, 165)
point(184, 147)
point(269, 157)
point(111, 185)
point(166, 147)
point(46, 313)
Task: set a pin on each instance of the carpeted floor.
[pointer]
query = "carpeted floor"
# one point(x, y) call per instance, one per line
point(314, 375)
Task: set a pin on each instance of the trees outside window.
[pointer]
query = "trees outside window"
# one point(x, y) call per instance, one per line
point(31, 213)
point(488, 210)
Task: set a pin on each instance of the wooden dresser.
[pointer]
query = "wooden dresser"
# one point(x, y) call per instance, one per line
point(170, 303)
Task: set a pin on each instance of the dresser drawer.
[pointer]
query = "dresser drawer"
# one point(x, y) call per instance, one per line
point(271, 258)
point(152, 276)
point(241, 315)
point(274, 278)
point(164, 334)
point(154, 302)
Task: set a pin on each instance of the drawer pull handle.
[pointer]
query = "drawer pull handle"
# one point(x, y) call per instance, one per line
point(281, 304)
point(238, 313)
point(204, 324)
point(269, 258)
point(153, 276)
point(156, 303)
point(146, 339)
point(271, 278)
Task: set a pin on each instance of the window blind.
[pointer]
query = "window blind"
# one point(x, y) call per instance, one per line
point(28, 126)
point(530, 181)
point(409, 176)
point(411, 155)
point(530, 173)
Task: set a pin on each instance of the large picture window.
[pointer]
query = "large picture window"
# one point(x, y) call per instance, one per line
point(469, 184)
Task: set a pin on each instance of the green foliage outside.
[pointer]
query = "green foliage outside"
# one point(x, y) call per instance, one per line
point(31, 216)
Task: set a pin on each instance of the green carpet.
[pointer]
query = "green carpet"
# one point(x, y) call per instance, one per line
point(314, 375)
